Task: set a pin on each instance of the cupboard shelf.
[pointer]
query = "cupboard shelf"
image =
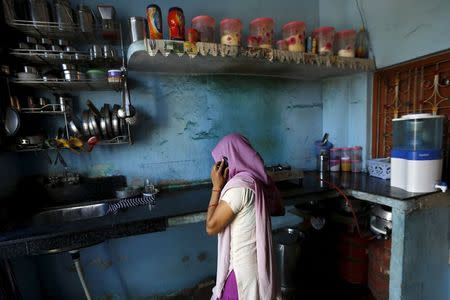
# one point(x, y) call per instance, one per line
point(67, 31)
point(63, 85)
point(56, 58)
point(173, 57)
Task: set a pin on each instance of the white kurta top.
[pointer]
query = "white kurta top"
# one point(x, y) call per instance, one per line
point(243, 241)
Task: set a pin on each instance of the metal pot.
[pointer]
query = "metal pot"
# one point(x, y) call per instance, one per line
point(85, 18)
point(380, 220)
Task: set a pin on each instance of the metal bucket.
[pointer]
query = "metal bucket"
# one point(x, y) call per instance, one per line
point(287, 247)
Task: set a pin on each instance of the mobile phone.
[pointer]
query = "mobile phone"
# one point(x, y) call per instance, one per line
point(225, 162)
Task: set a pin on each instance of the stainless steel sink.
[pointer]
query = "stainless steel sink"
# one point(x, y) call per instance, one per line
point(62, 215)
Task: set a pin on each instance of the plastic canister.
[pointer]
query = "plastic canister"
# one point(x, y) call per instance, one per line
point(346, 164)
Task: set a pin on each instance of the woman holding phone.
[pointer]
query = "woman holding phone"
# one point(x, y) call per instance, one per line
point(243, 198)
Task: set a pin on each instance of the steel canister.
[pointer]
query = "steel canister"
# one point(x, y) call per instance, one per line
point(175, 21)
point(85, 18)
point(154, 21)
point(137, 28)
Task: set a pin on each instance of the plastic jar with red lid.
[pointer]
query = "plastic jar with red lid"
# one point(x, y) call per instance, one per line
point(345, 43)
point(282, 45)
point(294, 34)
point(205, 26)
point(262, 30)
point(325, 39)
point(230, 32)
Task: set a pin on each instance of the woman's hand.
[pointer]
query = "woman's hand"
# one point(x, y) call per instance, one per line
point(219, 175)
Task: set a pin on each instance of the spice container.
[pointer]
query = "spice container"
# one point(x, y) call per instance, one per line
point(325, 40)
point(356, 166)
point(345, 43)
point(294, 34)
point(282, 45)
point(346, 163)
point(114, 76)
point(252, 42)
point(356, 153)
point(205, 27)
point(193, 36)
point(262, 29)
point(335, 153)
point(335, 165)
point(175, 21)
point(154, 22)
point(230, 32)
point(362, 44)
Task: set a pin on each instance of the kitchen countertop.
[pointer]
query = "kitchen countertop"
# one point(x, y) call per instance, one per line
point(189, 205)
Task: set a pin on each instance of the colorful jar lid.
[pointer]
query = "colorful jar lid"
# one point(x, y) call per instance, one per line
point(231, 22)
point(346, 33)
point(261, 20)
point(324, 29)
point(293, 24)
point(210, 21)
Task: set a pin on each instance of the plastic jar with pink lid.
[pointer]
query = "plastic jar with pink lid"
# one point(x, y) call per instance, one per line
point(356, 166)
point(205, 26)
point(325, 40)
point(230, 32)
point(262, 29)
point(294, 34)
point(282, 45)
point(345, 43)
point(335, 153)
point(356, 153)
point(346, 163)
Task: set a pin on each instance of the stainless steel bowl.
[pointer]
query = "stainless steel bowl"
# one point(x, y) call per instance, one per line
point(70, 67)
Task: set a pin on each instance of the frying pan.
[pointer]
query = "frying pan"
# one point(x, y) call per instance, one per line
point(74, 125)
point(107, 117)
point(86, 130)
point(123, 127)
point(12, 121)
point(103, 123)
point(115, 120)
point(93, 109)
point(94, 124)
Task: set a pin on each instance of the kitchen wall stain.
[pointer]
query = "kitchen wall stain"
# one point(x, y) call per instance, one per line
point(202, 256)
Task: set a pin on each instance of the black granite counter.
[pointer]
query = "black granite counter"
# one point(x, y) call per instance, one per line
point(29, 239)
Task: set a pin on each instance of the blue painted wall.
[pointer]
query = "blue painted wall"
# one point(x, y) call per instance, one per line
point(180, 119)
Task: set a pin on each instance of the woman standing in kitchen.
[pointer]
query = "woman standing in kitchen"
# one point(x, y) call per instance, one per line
point(242, 199)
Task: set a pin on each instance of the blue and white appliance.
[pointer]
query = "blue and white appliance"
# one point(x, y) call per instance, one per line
point(416, 156)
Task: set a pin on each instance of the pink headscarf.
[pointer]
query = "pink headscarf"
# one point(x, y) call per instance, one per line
point(246, 169)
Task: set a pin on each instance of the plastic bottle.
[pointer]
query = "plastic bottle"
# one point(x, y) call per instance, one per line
point(362, 44)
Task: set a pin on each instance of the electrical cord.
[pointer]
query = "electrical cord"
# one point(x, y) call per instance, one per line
point(365, 27)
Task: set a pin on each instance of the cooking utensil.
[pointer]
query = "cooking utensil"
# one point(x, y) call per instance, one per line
point(74, 125)
point(86, 130)
point(12, 121)
point(94, 125)
point(127, 110)
point(123, 127)
point(96, 74)
point(85, 18)
point(107, 116)
point(14, 102)
point(69, 67)
point(108, 51)
point(95, 52)
point(32, 140)
point(30, 40)
point(137, 28)
point(93, 109)
point(24, 46)
point(63, 43)
point(92, 141)
point(38, 11)
point(108, 14)
point(115, 120)
point(32, 102)
point(103, 124)
point(39, 47)
point(64, 16)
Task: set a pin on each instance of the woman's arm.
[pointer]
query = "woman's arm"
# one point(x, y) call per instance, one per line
point(219, 213)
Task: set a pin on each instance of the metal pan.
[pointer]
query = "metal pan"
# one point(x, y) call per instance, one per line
point(74, 125)
point(107, 116)
point(103, 123)
point(115, 120)
point(123, 127)
point(12, 121)
point(86, 130)
point(94, 124)
point(92, 108)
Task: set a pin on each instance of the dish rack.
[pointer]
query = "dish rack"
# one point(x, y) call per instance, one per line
point(380, 167)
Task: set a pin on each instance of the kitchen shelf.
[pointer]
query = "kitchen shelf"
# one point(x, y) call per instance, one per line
point(63, 85)
point(56, 58)
point(67, 31)
point(173, 57)
point(49, 109)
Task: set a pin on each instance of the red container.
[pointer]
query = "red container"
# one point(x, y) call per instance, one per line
point(345, 43)
point(379, 267)
point(335, 153)
point(356, 153)
point(154, 22)
point(335, 165)
point(193, 36)
point(205, 26)
point(294, 34)
point(262, 29)
point(252, 42)
point(175, 21)
point(230, 32)
point(325, 40)
point(353, 259)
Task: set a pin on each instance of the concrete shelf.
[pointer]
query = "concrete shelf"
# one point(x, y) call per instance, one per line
point(173, 57)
